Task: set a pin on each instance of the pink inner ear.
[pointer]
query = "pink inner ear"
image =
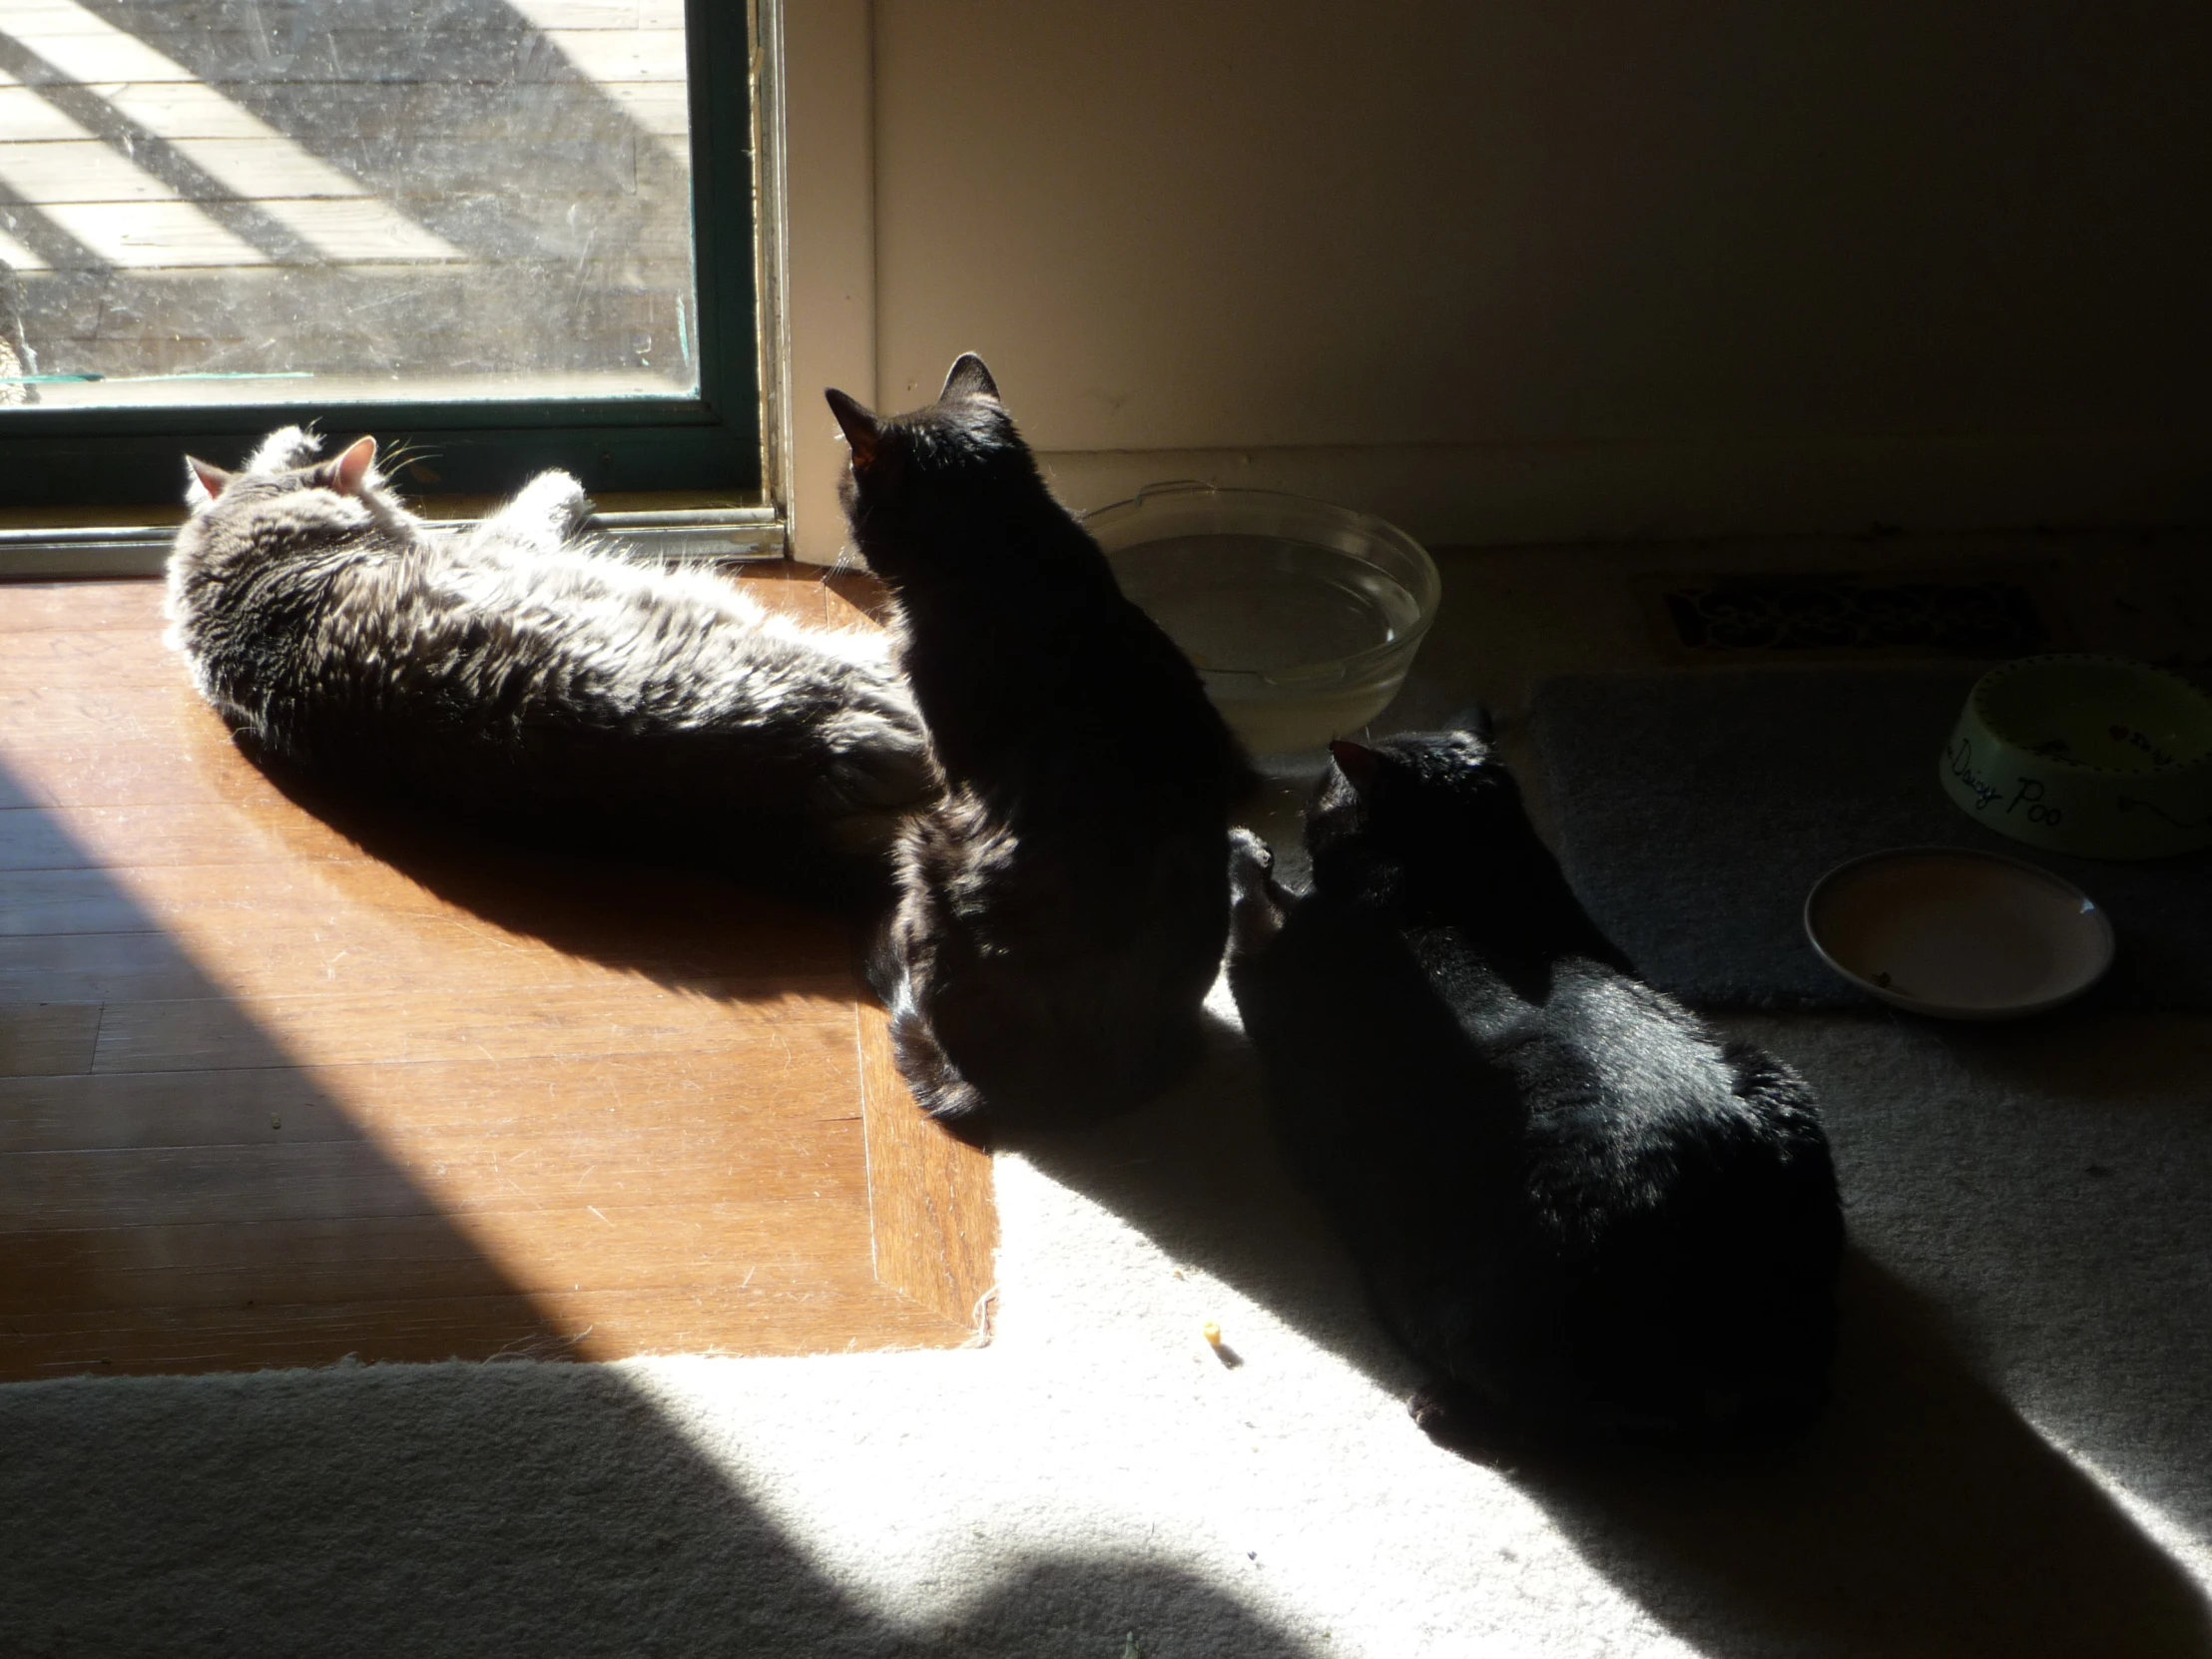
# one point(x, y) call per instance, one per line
point(861, 429)
point(353, 466)
point(212, 479)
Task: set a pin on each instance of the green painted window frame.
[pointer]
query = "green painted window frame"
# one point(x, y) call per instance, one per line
point(710, 444)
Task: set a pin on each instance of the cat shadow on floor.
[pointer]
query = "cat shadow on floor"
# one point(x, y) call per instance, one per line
point(679, 925)
point(1923, 1517)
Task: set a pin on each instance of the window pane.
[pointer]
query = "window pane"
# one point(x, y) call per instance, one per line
point(345, 200)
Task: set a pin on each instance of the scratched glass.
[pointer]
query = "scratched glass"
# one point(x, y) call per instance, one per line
point(336, 200)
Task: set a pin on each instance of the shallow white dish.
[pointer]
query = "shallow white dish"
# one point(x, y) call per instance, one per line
point(1959, 934)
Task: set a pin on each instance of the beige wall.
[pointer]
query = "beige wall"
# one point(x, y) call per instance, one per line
point(1568, 267)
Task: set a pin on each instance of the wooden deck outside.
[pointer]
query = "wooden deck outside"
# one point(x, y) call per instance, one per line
point(267, 1099)
point(322, 200)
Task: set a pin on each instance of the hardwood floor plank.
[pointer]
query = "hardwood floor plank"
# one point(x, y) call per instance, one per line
point(716, 1247)
point(80, 607)
point(582, 1100)
point(650, 918)
point(50, 1190)
point(786, 1022)
point(241, 956)
point(194, 834)
point(69, 715)
point(97, 967)
point(209, 771)
point(114, 657)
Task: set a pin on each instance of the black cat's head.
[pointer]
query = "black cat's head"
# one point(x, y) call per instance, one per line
point(937, 483)
point(1419, 792)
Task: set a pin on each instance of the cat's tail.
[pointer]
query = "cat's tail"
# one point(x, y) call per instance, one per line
point(939, 1088)
point(936, 1083)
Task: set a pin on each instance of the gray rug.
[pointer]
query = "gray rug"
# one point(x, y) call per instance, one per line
point(1697, 809)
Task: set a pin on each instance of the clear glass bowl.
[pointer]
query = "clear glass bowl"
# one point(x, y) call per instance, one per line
point(1302, 617)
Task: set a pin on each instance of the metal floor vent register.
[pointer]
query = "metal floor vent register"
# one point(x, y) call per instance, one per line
point(1813, 618)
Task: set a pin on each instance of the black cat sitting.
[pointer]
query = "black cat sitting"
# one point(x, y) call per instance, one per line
point(1584, 1211)
point(1062, 909)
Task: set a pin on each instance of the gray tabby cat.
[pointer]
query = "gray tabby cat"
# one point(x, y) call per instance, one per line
point(518, 673)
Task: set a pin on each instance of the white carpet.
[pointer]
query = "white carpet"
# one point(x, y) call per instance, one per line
point(2017, 1464)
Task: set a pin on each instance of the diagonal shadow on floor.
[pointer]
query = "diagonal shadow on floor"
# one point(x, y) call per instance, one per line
point(1924, 1517)
point(373, 1510)
point(279, 1230)
point(498, 1510)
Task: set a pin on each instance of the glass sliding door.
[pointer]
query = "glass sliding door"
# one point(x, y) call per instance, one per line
point(508, 233)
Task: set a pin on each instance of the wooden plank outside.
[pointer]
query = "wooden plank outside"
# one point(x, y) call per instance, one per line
point(491, 120)
point(153, 19)
point(48, 1038)
point(93, 170)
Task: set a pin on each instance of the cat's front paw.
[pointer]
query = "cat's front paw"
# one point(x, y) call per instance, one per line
point(1256, 904)
point(1454, 1421)
point(1248, 852)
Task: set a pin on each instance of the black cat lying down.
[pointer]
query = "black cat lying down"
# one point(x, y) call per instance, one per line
point(1585, 1212)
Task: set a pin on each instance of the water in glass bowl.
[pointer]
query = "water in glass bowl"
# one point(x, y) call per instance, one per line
point(1298, 642)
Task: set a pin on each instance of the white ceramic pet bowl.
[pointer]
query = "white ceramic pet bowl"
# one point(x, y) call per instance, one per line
point(1957, 933)
point(1301, 616)
point(2098, 756)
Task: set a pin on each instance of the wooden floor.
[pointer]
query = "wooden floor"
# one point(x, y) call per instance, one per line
point(267, 1100)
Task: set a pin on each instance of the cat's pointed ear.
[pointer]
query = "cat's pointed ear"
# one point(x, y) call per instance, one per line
point(862, 431)
point(348, 471)
point(1476, 722)
point(204, 482)
point(968, 379)
point(1356, 762)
